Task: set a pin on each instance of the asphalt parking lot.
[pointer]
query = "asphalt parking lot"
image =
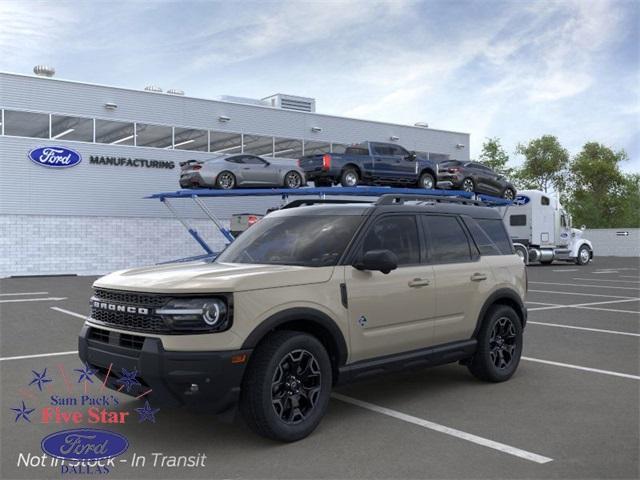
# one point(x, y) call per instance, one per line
point(571, 411)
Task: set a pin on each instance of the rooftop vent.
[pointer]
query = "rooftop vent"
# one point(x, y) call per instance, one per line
point(175, 91)
point(291, 102)
point(44, 71)
point(153, 88)
point(421, 124)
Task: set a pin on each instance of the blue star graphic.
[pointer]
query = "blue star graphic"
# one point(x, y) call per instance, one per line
point(147, 413)
point(128, 379)
point(85, 373)
point(40, 379)
point(23, 412)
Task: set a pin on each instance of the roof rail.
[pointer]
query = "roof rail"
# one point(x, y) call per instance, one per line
point(321, 201)
point(391, 199)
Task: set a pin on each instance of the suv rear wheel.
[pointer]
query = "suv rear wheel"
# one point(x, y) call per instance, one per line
point(285, 391)
point(499, 345)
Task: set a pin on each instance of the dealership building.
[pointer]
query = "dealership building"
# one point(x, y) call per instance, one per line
point(92, 217)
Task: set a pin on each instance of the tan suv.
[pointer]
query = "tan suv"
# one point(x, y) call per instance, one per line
point(310, 297)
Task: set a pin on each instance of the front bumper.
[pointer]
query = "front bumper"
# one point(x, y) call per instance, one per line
point(168, 374)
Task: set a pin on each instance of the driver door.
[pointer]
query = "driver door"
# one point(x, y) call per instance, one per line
point(391, 313)
point(257, 171)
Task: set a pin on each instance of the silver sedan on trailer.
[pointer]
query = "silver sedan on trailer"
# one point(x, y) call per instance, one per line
point(241, 170)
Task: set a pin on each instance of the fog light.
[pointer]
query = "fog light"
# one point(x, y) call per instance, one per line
point(194, 388)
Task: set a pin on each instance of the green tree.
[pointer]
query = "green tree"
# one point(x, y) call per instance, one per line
point(494, 156)
point(544, 165)
point(600, 195)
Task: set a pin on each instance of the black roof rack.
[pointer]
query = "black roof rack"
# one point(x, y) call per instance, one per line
point(317, 201)
point(391, 199)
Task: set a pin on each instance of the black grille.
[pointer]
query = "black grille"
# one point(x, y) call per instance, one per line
point(131, 298)
point(130, 321)
point(99, 335)
point(131, 341)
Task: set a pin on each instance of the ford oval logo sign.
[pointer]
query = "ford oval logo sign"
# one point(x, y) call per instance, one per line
point(521, 200)
point(55, 157)
point(84, 444)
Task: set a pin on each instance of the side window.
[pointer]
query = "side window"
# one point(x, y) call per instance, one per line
point(251, 160)
point(235, 159)
point(399, 151)
point(518, 220)
point(494, 228)
point(563, 220)
point(398, 233)
point(449, 243)
point(544, 201)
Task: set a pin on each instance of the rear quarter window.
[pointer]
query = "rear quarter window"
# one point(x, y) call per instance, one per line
point(490, 236)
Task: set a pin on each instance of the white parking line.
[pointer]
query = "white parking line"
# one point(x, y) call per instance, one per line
point(567, 270)
point(73, 314)
point(485, 442)
point(610, 310)
point(578, 367)
point(540, 303)
point(605, 272)
point(628, 276)
point(587, 286)
point(55, 354)
point(579, 294)
point(23, 293)
point(604, 280)
point(48, 299)
point(586, 305)
point(598, 330)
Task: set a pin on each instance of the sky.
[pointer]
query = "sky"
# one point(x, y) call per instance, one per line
point(514, 70)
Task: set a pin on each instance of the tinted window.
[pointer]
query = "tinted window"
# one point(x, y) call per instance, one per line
point(397, 233)
point(518, 220)
point(253, 160)
point(494, 228)
point(235, 160)
point(382, 150)
point(356, 151)
point(398, 151)
point(312, 241)
point(544, 201)
point(447, 239)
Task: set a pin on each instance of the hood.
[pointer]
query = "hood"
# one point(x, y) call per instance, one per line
point(202, 277)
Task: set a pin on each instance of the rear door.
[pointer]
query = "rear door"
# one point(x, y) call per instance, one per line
point(383, 160)
point(390, 313)
point(462, 279)
point(404, 169)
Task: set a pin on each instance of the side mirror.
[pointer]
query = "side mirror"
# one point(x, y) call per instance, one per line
point(266, 164)
point(583, 228)
point(412, 156)
point(378, 260)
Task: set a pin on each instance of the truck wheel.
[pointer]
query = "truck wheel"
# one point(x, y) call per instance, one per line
point(468, 185)
point(499, 345)
point(427, 181)
point(584, 255)
point(285, 390)
point(509, 194)
point(349, 178)
point(226, 180)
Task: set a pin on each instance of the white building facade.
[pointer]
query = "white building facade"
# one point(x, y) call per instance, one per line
point(92, 217)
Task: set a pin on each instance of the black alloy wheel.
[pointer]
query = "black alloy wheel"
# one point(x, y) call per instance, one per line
point(502, 343)
point(296, 385)
point(508, 194)
point(226, 180)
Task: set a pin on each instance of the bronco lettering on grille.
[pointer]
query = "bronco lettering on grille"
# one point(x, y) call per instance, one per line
point(120, 308)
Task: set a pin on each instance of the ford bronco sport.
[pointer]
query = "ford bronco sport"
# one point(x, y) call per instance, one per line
point(311, 297)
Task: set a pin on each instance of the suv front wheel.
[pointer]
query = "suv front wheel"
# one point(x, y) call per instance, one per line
point(285, 391)
point(499, 345)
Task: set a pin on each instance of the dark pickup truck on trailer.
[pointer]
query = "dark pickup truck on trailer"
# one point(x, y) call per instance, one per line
point(371, 163)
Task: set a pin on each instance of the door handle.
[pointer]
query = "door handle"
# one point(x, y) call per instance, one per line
point(246, 168)
point(478, 277)
point(419, 282)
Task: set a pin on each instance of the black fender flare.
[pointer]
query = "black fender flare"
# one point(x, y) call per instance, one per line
point(511, 297)
point(301, 314)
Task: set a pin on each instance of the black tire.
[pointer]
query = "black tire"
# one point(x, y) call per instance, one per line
point(584, 255)
point(427, 181)
point(468, 185)
point(225, 180)
point(261, 397)
point(349, 177)
point(499, 340)
point(509, 194)
point(293, 179)
point(546, 262)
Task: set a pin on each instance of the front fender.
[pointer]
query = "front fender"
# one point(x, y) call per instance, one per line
point(575, 247)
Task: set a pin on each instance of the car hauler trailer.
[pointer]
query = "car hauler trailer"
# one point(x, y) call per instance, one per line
point(541, 230)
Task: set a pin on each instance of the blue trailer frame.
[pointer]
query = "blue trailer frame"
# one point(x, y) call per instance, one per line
point(197, 194)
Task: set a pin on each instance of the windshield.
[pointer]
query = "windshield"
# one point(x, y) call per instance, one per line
point(311, 241)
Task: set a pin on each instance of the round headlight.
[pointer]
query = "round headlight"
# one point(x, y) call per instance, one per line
point(213, 312)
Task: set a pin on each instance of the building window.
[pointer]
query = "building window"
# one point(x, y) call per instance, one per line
point(157, 136)
point(225, 142)
point(315, 148)
point(71, 128)
point(287, 148)
point(26, 124)
point(258, 145)
point(190, 139)
point(114, 133)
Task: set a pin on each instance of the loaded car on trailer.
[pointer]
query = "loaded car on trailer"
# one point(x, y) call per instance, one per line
point(475, 177)
point(313, 296)
point(371, 163)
